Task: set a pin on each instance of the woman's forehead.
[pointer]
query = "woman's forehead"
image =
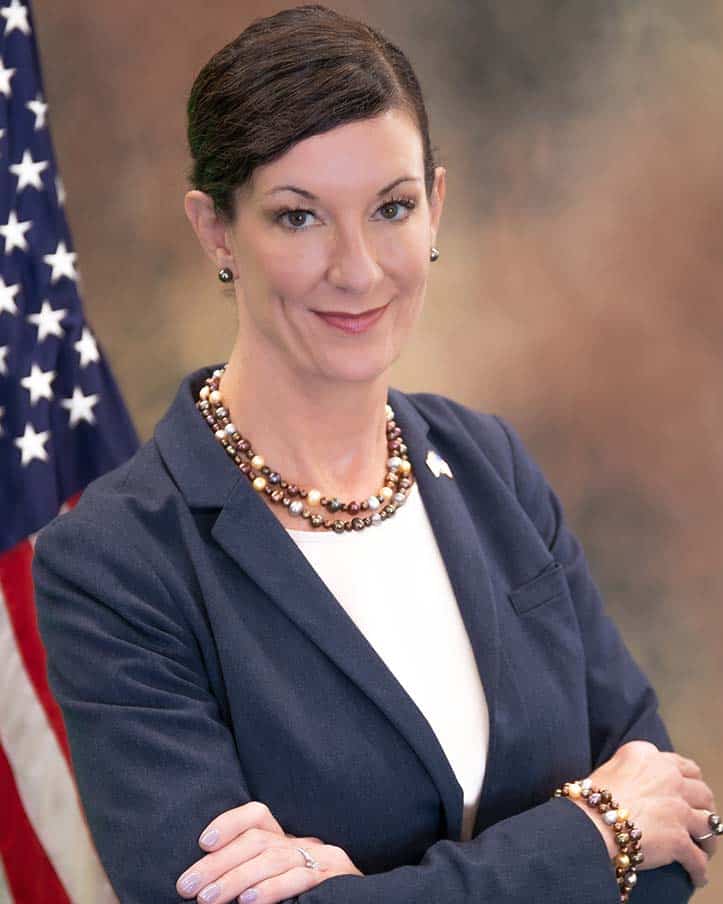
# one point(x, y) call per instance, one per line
point(364, 155)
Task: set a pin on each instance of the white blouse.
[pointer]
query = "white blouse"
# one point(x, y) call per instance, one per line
point(413, 622)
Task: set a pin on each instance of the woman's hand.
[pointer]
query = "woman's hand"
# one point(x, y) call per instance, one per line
point(249, 852)
point(668, 801)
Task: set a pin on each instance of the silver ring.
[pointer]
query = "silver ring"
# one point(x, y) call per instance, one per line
point(308, 859)
point(716, 827)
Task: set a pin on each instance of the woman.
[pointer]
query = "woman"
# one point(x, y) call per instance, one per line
point(321, 638)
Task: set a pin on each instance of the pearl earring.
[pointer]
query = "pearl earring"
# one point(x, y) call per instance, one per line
point(434, 254)
point(225, 275)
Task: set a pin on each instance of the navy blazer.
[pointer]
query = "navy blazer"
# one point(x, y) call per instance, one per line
point(201, 662)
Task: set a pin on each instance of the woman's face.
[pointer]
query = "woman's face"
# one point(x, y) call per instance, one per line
point(340, 223)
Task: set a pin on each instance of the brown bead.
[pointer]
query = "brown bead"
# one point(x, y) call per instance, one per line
point(277, 495)
point(292, 489)
point(353, 508)
point(316, 520)
point(357, 523)
point(338, 526)
point(286, 502)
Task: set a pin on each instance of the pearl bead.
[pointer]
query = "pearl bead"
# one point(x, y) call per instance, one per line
point(574, 790)
point(204, 393)
point(231, 429)
point(623, 861)
point(586, 784)
point(389, 412)
point(257, 462)
point(610, 818)
point(376, 519)
point(373, 503)
point(220, 434)
point(405, 467)
point(400, 498)
point(394, 463)
point(313, 497)
point(259, 483)
point(623, 814)
point(215, 397)
point(387, 493)
point(296, 507)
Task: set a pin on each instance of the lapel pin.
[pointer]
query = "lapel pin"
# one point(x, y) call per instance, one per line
point(437, 465)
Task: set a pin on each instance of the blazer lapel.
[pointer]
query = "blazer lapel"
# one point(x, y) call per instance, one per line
point(256, 540)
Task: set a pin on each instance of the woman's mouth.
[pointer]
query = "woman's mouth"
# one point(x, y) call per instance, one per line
point(352, 323)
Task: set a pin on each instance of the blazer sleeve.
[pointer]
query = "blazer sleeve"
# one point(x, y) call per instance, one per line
point(155, 760)
point(622, 704)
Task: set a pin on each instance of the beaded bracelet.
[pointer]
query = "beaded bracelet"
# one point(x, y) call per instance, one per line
point(627, 835)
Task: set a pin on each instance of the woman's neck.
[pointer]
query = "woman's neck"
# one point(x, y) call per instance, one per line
point(316, 433)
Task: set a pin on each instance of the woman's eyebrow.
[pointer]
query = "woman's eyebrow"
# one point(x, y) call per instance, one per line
point(312, 197)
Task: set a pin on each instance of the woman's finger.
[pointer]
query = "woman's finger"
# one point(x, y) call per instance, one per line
point(271, 863)
point(213, 866)
point(701, 829)
point(689, 768)
point(698, 795)
point(286, 885)
point(231, 823)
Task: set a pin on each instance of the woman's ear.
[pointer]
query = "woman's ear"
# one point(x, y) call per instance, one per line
point(437, 200)
point(210, 229)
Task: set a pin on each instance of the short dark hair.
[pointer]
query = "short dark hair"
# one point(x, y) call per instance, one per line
point(297, 73)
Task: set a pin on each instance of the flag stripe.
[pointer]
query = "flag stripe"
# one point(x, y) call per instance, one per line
point(16, 585)
point(5, 893)
point(29, 876)
point(43, 778)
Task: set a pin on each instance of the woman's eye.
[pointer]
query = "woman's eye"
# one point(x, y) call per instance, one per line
point(296, 221)
point(394, 206)
point(295, 218)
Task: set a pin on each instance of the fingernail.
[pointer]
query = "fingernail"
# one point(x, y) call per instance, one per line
point(209, 838)
point(189, 883)
point(248, 896)
point(210, 893)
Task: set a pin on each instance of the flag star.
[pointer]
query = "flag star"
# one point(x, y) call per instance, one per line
point(38, 384)
point(28, 171)
point(87, 347)
point(32, 444)
point(62, 262)
point(4, 349)
point(14, 233)
point(7, 297)
point(48, 321)
point(5, 76)
point(59, 191)
point(17, 17)
point(80, 407)
point(38, 109)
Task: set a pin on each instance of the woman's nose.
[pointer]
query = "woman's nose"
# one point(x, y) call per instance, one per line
point(353, 265)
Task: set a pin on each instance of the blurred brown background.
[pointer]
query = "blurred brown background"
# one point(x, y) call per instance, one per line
point(578, 289)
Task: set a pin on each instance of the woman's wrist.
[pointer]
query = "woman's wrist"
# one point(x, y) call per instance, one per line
point(626, 855)
point(602, 827)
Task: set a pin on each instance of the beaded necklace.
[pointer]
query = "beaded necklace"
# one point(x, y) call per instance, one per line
point(367, 513)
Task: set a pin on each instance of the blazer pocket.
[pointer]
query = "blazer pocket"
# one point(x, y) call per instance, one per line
point(543, 589)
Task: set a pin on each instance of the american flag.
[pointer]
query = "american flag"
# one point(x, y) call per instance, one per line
point(62, 423)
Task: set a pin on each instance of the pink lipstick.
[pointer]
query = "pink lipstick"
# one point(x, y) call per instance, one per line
point(350, 323)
